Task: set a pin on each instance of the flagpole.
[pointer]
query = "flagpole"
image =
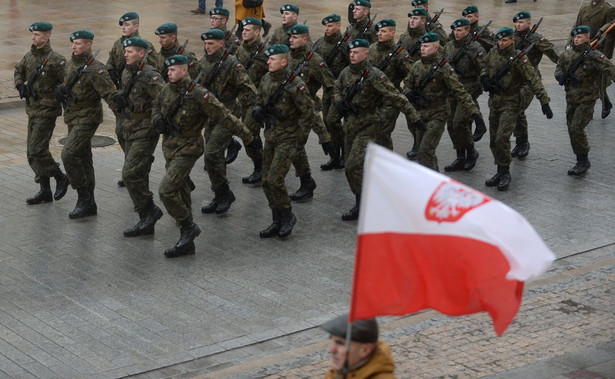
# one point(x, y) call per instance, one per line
point(345, 368)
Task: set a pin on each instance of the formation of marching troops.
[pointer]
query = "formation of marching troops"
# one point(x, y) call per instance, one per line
point(245, 83)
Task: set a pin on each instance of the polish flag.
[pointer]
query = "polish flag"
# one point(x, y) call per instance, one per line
point(428, 241)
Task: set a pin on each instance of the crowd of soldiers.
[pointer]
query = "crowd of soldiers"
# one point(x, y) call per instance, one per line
point(244, 83)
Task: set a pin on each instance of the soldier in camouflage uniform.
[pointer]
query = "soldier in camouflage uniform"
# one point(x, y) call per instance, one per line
point(140, 86)
point(504, 100)
point(523, 24)
point(468, 67)
point(486, 37)
point(290, 13)
point(397, 68)
point(129, 22)
point(582, 91)
point(218, 19)
point(223, 75)
point(364, 113)
point(315, 74)
point(169, 46)
point(285, 120)
point(42, 109)
point(251, 55)
point(359, 29)
point(432, 99)
point(182, 146)
point(82, 115)
point(338, 57)
point(431, 26)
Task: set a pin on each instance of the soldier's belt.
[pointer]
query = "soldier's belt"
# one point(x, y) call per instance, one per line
point(139, 116)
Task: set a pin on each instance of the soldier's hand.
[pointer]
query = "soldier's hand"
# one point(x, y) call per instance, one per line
point(60, 93)
point(479, 121)
point(161, 126)
point(120, 101)
point(413, 96)
point(420, 125)
point(561, 78)
point(342, 108)
point(23, 91)
point(256, 144)
point(115, 77)
point(487, 83)
point(546, 110)
point(258, 113)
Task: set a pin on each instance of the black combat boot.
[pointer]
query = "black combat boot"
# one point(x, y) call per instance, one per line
point(515, 150)
point(175, 252)
point(353, 213)
point(287, 221)
point(495, 179)
point(471, 158)
point(136, 230)
point(189, 231)
point(274, 228)
point(62, 184)
point(524, 147)
point(334, 162)
point(148, 218)
point(120, 183)
point(256, 175)
point(225, 199)
point(606, 106)
point(458, 163)
point(232, 151)
point(42, 196)
point(581, 166)
point(86, 206)
point(504, 178)
point(412, 154)
point(306, 190)
point(211, 207)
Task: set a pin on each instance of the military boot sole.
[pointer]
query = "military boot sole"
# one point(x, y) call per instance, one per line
point(120, 183)
point(174, 252)
point(225, 204)
point(470, 163)
point(252, 179)
point(271, 231)
point(412, 155)
point(190, 237)
point(210, 208)
point(91, 211)
point(351, 215)
point(287, 229)
point(494, 181)
point(524, 151)
point(61, 188)
point(457, 165)
point(304, 193)
point(332, 164)
point(40, 197)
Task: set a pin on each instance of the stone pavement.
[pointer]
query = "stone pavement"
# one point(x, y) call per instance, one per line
point(79, 300)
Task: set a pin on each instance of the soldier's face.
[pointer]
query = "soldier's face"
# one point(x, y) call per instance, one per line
point(416, 22)
point(472, 17)
point(167, 40)
point(289, 17)
point(523, 24)
point(429, 48)
point(503, 43)
point(358, 351)
point(461, 32)
point(39, 39)
point(217, 22)
point(133, 55)
point(359, 12)
point(129, 28)
point(81, 46)
point(276, 62)
point(386, 34)
point(580, 39)
point(332, 28)
point(297, 41)
point(177, 72)
point(250, 33)
point(358, 54)
point(213, 45)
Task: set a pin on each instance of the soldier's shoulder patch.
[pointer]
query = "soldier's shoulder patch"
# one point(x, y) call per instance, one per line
point(63, 63)
point(302, 88)
point(155, 78)
point(237, 42)
point(526, 61)
point(239, 65)
point(191, 64)
point(452, 70)
point(602, 56)
point(206, 96)
point(439, 26)
point(542, 39)
point(101, 72)
point(481, 54)
point(322, 64)
point(408, 57)
point(383, 77)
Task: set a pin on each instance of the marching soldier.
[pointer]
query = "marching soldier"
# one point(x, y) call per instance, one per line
point(398, 63)
point(218, 19)
point(87, 81)
point(486, 36)
point(169, 46)
point(36, 75)
point(523, 23)
point(582, 91)
point(432, 26)
point(363, 26)
point(468, 67)
point(182, 143)
point(140, 86)
point(290, 13)
point(224, 76)
point(363, 96)
point(504, 99)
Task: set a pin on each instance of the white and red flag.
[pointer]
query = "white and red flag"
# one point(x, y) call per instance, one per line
point(428, 241)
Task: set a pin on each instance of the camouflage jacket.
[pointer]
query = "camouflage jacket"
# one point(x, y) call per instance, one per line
point(51, 76)
point(116, 59)
point(325, 46)
point(258, 68)
point(410, 39)
point(589, 73)
point(93, 84)
point(399, 65)
point(541, 46)
point(436, 27)
point(231, 43)
point(197, 107)
point(355, 30)
point(315, 73)
point(148, 83)
point(443, 83)
point(193, 62)
point(280, 35)
point(485, 39)
point(470, 63)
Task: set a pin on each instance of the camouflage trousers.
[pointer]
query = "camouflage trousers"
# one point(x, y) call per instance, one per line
point(175, 188)
point(300, 161)
point(217, 139)
point(77, 156)
point(383, 136)
point(578, 117)
point(40, 130)
point(502, 121)
point(332, 122)
point(354, 157)
point(428, 141)
point(526, 97)
point(277, 158)
point(138, 158)
point(459, 126)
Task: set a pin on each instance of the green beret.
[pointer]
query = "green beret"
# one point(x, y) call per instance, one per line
point(213, 34)
point(364, 331)
point(128, 16)
point(298, 29)
point(175, 60)
point(429, 37)
point(135, 41)
point(276, 49)
point(166, 28)
point(522, 15)
point(220, 11)
point(81, 34)
point(417, 12)
point(333, 17)
point(419, 2)
point(460, 22)
point(40, 26)
point(362, 3)
point(358, 43)
point(504, 32)
point(470, 10)
point(251, 21)
point(385, 23)
point(581, 29)
point(289, 8)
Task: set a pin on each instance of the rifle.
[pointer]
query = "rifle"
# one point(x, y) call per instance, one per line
point(597, 39)
point(415, 48)
point(69, 96)
point(532, 31)
point(253, 55)
point(175, 129)
point(126, 91)
point(214, 71)
point(229, 34)
point(475, 36)
point(434, 19)
point(30, 92)
point(503, 70)
point(419, 90)
point(366, 28)
point(165, 71)
point(352, 91)
point(385, 63)
point(570, 78)
point(329, 61)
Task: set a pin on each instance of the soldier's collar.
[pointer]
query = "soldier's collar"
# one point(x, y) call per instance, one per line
point(386, 45)
point(215, 56)
point(181, 85)
point(43, 50)
point(333, 38)
point(280, 74)
point(359, 67)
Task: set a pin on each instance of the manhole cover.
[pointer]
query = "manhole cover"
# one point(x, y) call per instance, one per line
point(97, 141)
